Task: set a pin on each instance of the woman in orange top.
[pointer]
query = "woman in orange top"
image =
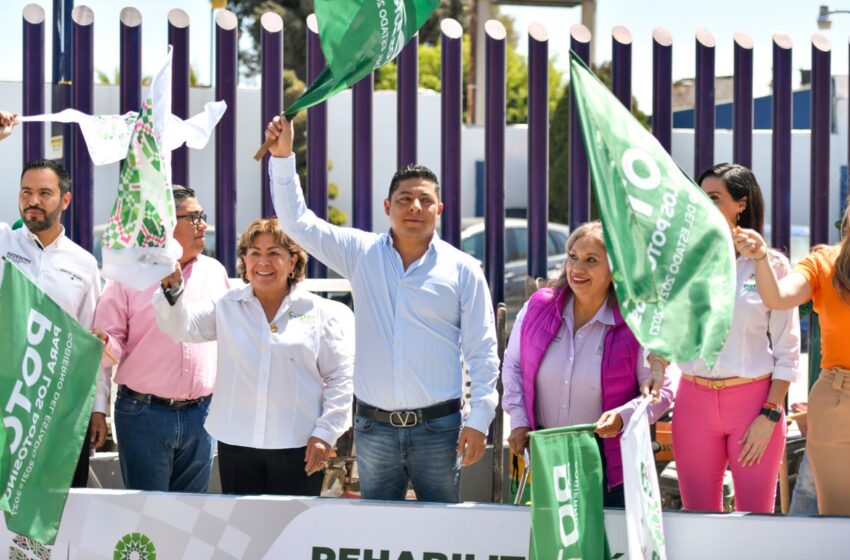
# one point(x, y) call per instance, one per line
point(824, 277)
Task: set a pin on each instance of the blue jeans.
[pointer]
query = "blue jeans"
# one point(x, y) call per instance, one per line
point(425, 455)
point(804, 500)
point(162, 448)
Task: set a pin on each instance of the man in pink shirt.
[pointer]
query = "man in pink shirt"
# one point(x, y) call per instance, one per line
point(164, 386)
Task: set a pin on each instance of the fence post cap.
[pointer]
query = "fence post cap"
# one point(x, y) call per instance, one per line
point(495, 30)
point(33, 13)
point(662, 36)
point(271, 22)
point(82, 15)
point(579, 33)
point(743, 40)
point(537, 31)
point(225, 19)
point(622, 35)
point(705, 38)
point(178, 18)
point(451, 28)
point(821, 42)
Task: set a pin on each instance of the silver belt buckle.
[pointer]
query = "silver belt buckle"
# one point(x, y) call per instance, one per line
point(403, 419)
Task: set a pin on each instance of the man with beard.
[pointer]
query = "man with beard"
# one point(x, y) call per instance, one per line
point(66, 272)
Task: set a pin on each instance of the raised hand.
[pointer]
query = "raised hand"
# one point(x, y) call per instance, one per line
point(280, 129)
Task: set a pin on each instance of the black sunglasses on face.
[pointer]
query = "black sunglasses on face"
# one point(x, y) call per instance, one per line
point(195, 217)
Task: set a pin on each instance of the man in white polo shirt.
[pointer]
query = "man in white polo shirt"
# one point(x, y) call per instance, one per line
point(62, 269)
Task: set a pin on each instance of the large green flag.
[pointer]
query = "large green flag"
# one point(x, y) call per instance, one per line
point(671, 251)
point(47, 386)
point(359, 36)
point(567, 519)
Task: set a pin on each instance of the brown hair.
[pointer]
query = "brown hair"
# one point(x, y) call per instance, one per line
point(272, 227)
point(589, 229)
point(841, 275)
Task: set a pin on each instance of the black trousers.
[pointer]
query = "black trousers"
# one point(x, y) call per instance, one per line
point(81, 473)
point(247, 470)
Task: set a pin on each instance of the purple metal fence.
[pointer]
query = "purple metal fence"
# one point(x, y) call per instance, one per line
point(742, 106)
point(226, 72)
point(33, 80)
point(130, 65)
point(82, 99)
point(451, 118)
point(80, 218)
point(271, 50)
point(704, 102)
point(538, 150)
point(662, 86)
point(821, 127)
point(317, 142)
point(178, 38)
point(406, 104)
point(781, 143)
point(494, 158)
point(579, 173)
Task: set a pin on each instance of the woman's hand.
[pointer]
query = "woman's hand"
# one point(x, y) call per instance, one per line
point(316, 455)
point(749, 243)
point(609, 424)
point(518, 440)
point(280, 130)
point(755, 441)
point(651, 387)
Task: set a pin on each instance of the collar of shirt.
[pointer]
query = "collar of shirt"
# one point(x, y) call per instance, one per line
point(246, 293)
point(56, 243)
point(604, 315)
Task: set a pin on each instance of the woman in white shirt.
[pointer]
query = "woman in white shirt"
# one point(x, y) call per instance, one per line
point(283, 390)
point(732, 413)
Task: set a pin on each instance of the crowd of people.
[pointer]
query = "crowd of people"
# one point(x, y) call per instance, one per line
point(268, 373)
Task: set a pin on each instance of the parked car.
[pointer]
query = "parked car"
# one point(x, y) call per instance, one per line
point(516, 255)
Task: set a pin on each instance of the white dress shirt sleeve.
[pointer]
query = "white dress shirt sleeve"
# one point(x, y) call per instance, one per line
point(85, 315)
point(479, 347)
point(195, 323)
point(513, 398)
point(784, 329)
point(336, 366)
point(337, 247)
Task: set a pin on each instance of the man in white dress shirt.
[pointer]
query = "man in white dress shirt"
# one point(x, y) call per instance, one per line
point(62, 269)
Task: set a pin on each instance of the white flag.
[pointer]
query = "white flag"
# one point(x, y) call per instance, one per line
point(643, 499)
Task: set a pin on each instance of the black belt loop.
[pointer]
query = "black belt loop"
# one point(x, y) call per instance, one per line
point(408, 418)
point(153, 399)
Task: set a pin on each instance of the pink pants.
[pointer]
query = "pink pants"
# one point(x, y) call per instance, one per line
point(707, 426)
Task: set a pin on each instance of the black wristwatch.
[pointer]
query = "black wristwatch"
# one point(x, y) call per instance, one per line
point(172, 293)
point(772, 414)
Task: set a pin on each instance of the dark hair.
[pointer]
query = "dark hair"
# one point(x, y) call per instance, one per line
point(413, 171)
point(181, 193)
point(64, 178)
point(741, 183)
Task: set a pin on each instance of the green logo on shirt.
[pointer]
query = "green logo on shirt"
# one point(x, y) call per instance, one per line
point(304, 317)
point(750, 285)
point(134, 546)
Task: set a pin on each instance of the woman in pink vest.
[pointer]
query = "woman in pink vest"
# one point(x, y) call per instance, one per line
point(572, 359)
point(731, 414)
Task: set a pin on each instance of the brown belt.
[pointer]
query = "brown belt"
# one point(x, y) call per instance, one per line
point(723, 383)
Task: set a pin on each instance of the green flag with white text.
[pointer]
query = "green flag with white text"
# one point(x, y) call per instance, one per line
point(47, 386)
point(671, 252)
point(359, 36)
point(567, 519)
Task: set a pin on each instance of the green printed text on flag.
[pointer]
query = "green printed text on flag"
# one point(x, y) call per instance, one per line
point(47, 386)
point(671, 250)
point(567, 520)
point(358, 37)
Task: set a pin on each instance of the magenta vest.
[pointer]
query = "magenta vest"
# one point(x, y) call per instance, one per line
point(542, 320)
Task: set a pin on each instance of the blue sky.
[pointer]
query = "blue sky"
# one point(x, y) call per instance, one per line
point(759, 18)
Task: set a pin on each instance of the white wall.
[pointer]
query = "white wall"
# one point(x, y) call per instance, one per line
point(249, 128)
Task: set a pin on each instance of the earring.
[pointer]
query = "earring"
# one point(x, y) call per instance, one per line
point(291, 274)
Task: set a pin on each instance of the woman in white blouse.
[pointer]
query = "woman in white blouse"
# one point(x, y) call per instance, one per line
point(732, 413)
point(283, 390)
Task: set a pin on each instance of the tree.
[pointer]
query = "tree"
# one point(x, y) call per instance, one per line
point(559, 149)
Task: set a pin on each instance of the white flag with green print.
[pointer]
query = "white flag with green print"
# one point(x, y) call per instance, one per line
point(138, 247)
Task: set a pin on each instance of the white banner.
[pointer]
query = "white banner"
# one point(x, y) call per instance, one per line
point(643, 499)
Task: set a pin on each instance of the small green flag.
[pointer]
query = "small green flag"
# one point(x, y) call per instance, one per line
point(672, 258)
point(567, 519)
point(46, 389)
point(358, 37)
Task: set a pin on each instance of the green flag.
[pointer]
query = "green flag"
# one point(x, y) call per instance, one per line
point(567, 520)
point(359, 36)
point(47, 389)
point(671, 253)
